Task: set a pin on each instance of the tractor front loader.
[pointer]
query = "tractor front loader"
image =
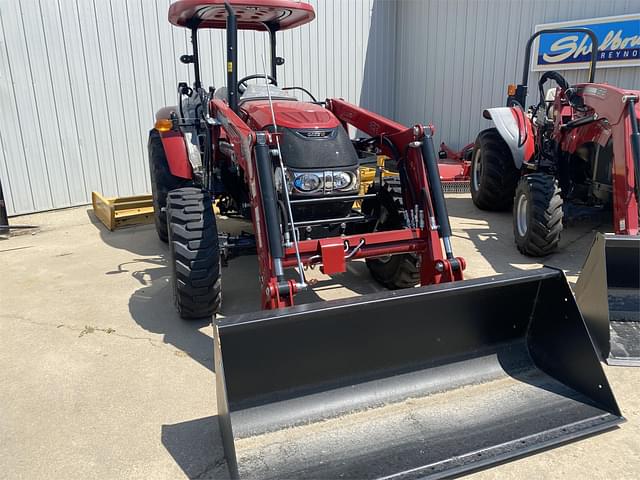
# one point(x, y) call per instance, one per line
point(407, 383)
point(580, 144)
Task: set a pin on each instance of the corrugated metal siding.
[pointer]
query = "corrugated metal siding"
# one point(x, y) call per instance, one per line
point(456, 57)
point(80, 81)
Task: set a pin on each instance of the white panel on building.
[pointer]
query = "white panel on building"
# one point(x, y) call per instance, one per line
point(80, 81)
point(456, 57)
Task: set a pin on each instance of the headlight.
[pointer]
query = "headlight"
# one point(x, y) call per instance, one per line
point(317, 183)
point(278, 180)
point(343, 180)
point(307, 182)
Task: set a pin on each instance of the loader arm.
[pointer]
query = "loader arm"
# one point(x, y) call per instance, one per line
point(430, 238)
point(424, 191)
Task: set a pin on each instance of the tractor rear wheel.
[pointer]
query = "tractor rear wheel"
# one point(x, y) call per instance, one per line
point(537, 215)
point(161, 182)
point(195, 254)
point(494, 176)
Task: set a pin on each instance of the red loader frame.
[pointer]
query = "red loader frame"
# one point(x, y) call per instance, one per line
point(437, 265)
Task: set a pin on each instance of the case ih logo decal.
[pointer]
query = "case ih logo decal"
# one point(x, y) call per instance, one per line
point(619, 39)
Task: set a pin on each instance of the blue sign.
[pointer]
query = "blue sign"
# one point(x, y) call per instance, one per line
point(619, 39)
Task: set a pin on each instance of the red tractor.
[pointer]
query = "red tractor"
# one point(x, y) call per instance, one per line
point(578, 144)
point(290, 166)
point(353, 388)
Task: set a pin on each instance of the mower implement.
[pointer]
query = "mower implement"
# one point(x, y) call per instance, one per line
point(608, 293)
point(454, 168)
point(418, 383)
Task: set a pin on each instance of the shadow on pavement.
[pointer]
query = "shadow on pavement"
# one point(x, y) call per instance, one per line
point(196, 447)
point(492, 235)
point(151, 306)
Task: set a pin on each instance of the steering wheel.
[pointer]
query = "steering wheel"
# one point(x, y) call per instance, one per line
point(242, 83)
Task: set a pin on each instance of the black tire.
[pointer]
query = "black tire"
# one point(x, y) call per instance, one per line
point(537, 215)
point(494, 175)
point(393, 271)
point(195, 254)
point(396, 271)
point(161, 182)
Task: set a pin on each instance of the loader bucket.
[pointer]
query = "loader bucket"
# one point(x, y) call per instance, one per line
point(425, 382)
point(608, 293)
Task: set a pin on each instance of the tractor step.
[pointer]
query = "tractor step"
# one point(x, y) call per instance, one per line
point(117, 212)
point(421, 383)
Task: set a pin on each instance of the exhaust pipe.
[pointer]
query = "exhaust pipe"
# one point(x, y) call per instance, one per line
point(425, 382)
point(608, 293)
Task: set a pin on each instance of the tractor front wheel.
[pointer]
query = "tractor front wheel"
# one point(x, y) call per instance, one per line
point(396, 271)
point(494, 176)
point(161, 182)
point(392, 271)
point(195, 254)
point(537, 215)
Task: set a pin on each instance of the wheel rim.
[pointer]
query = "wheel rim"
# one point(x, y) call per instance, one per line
point(477, 168)
point(521, 215)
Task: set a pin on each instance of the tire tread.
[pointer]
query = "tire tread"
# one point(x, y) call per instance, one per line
point(546, 215)
point(195, 255)
point(499, 176)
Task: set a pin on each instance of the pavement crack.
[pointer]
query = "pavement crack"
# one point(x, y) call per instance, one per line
point(89, 329)
point(208, 469)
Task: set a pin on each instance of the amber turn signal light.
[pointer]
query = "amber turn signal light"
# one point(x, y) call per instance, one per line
point(164, 125)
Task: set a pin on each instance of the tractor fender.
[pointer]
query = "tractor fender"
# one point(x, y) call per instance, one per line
point(516, 130)
point(175, 149)
point(183, 156)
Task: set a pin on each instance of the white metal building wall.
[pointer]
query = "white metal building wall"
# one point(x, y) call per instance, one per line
point(80, 81)
point(456, 57)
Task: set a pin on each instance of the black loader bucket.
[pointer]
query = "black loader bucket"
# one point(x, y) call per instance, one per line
point(608, 293)
point(425, 382)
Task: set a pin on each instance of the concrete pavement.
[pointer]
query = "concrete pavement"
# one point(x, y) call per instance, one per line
point(99, 378)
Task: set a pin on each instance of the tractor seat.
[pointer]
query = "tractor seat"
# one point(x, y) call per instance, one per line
point(259, 92)
point(255, 92)
point(220, 93)
point(549, 99)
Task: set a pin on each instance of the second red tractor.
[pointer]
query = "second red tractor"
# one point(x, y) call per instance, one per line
point(579, 144)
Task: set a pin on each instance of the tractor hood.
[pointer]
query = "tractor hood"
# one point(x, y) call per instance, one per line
point(288, 113)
